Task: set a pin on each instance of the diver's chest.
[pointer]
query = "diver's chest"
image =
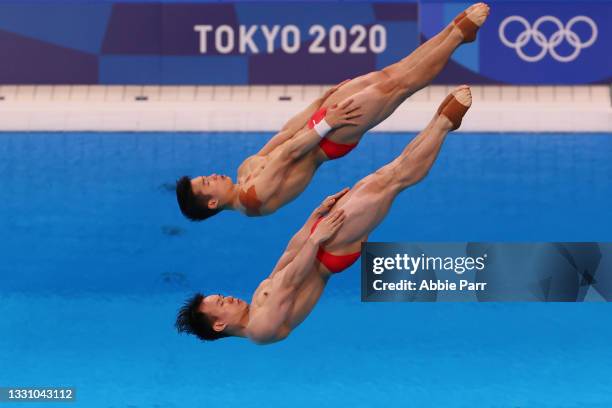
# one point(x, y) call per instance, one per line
point(253, 169)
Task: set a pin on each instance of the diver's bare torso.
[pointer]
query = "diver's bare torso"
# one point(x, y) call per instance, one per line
point(378, 98)
point(273, 291)
point(297, 176)
point(305, 299)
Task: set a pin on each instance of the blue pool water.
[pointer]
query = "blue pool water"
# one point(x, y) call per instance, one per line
point(96, 259)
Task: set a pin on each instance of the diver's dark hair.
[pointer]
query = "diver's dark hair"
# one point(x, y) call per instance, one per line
point(190, 320)
point(190, 205)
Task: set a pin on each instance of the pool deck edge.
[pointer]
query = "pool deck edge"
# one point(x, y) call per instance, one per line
point(265, 108)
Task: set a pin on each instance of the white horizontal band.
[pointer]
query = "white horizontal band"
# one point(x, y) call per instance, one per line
point(322, 128)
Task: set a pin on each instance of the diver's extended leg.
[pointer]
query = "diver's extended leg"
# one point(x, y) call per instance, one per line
point(367, 204)
point(416, 55)
point(413, 78)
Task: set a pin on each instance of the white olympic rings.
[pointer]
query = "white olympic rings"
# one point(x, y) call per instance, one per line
point(548, 45)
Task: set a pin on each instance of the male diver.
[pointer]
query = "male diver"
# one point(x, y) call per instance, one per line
point(328, 129)
point(328, 243)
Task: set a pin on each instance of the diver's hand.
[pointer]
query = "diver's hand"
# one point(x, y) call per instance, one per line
point(329, 203)
point(346, 113)
point(328, 227)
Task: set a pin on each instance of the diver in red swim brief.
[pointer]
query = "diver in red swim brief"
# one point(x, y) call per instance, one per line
point(331, 149)
point(334, 263)
point(329, 242)
point(327, 129)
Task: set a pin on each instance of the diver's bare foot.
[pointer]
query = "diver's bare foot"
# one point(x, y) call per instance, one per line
point(464, 13)
point(474, 18)
point(454, 107)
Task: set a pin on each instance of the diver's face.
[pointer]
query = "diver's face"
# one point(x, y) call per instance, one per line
point(224, 310)
point(215, 186)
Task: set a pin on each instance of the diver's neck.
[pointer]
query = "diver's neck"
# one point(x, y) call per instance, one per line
point(234, 201)
point(240, 330)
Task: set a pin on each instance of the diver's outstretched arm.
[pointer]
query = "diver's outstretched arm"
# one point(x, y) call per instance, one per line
point(298, 121)
point(298, 240)
point(267, 323)
point(344, 114)
point(296, 271)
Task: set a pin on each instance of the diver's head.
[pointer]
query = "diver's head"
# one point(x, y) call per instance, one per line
point(203, 196)
point(212, 317)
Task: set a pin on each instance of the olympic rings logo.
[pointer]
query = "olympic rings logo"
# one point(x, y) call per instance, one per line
point(548, 45)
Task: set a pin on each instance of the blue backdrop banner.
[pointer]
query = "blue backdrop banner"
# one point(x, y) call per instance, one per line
point(202, 43)
point(293, 42)
point(530, 43)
